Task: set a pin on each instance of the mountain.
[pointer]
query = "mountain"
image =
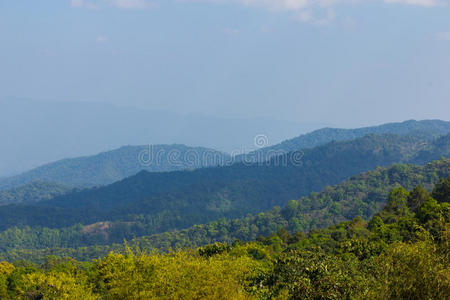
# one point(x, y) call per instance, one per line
point(35, 132)
point(115, 165)
point(111, 166)
point(424, 130)
point(170, 200)
point(33, 192)
point(361, 195)
point(400, 253)
point(440, 146)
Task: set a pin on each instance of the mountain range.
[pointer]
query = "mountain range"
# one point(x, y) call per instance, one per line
point(164, 201)
point(33, 192)
point(36, 132)
point(115, 165)
point(425, 130)
point(111, 166)
point(361, 195)
point(171, 196)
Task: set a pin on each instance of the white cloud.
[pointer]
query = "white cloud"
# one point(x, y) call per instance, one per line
point(321, 12)
point(308, 16)
point(301, 4)
point(443, 36)
point(418, 2)
point(83, 4)
point(277, 4)
point(130, 3)
point(293, 5)
point(318, 12)
point(306, 4)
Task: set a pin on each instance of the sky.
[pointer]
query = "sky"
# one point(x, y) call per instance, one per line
point(347, 63)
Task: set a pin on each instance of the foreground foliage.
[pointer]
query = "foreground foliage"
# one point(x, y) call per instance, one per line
point(400, 253)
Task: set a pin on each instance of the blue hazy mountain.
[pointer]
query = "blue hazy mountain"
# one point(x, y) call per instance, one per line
point(111, 166)
point(33, 133)
point(425, 130)
point(108, 167)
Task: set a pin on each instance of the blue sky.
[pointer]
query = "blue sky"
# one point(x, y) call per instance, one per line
point(341, 62)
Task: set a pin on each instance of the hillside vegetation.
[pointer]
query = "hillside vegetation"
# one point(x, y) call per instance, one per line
point(111, 166)
point(401, 253)
point(362, 195)
point(33, 192)
point(425, 130)
point(171, 200)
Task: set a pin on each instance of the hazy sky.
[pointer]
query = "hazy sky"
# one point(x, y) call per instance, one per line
point(342, 62)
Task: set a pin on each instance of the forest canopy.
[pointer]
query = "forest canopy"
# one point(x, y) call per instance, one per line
point(401, 252)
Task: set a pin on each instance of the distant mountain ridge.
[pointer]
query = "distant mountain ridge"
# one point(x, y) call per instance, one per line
point(37, 132)
point(33, 192)
point(108, 167)
point(424, 130)
point(111, 166)
point(173, 200)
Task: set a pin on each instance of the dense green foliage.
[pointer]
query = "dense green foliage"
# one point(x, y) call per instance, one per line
point(361, 195)
point(401, 253)
point(111, 166)
point(170, 200)
point(33, 192)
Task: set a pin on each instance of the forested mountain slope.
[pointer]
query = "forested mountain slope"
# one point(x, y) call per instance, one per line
point(400, 253)
point(424, 130)
point(362, 195)
point(297, 172)
point(439, 147)
point(161, 158)
point(111, 166)
point(388, 256)
point(36, 132)
point(156, 202)
point(32, 192)
point(182, 198)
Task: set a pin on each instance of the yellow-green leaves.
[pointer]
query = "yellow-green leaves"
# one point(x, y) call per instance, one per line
point(178, 275)
point(56, 285)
